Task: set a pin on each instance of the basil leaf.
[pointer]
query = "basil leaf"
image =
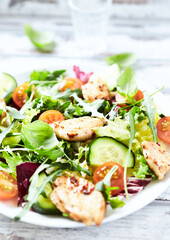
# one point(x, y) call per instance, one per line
point(13, 112)
point(150, 112)
point(123, 59)
point(38, 135)
point(126, 84)
point(43, 41)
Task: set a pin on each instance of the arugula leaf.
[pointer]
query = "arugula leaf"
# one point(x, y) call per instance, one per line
point(126, 84)
point(132, 136)
point(123, 59)
point(13, 112)
point(12, 160)
point(43, 41)
point(45, 75)
point(38, 135)
point(6, 131)
point(34, 196)
point(106, 180)
point(150, 112)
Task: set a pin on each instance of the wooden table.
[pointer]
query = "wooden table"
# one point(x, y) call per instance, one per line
point(144, 29)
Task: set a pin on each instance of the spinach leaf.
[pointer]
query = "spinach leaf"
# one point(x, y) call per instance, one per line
point(126, 84)
point(123, 59)
point(150, 112)
point(38, 135)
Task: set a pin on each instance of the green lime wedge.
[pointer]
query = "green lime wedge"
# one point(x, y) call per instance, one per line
point(43, 41)
point(7, 86)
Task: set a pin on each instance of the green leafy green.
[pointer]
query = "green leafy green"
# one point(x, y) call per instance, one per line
point(115, 202)
point(142, 170)
point(106, 180)
point(150, 112)
point(12, 160)
point(43, 41)
point(6, 131)
point(123, 59)
point(33, 197)
point(38, 135)
point(13, 112)
point(126, 84)
point(46, 75)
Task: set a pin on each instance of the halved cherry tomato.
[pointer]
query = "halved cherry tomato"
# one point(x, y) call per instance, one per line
point(119, 98)
point(2, 105)
point(72, 83)
point(117, 179)
point(51, 116)
point(163, 128)
point(19, 95)
point(8, 186)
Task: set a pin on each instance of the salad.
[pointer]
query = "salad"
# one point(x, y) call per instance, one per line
point(71, 145)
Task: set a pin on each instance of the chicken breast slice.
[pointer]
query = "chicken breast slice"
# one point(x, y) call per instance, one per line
point(95, 89)
point(78, 197)
point(77, 129)
point(157, 158)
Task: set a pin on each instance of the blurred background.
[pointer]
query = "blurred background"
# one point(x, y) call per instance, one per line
point(139, 26)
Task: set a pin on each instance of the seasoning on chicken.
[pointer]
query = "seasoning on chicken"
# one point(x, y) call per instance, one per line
point(77, 129)
point(78, 197)
point(157, 158)
point(95, 89)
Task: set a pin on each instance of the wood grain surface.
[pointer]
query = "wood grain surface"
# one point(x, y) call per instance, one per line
point(138, 26)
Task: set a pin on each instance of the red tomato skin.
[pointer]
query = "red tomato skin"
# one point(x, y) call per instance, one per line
point(163, 129)
point(116, 181)
point(51, 116)
point(8, 186)
point(72, 83)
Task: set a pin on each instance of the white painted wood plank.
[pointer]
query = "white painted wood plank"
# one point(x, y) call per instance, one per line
point(150, 223)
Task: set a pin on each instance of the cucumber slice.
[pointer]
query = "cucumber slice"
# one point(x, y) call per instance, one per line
point(107, 149)
point(7, 86)
point(46, 211)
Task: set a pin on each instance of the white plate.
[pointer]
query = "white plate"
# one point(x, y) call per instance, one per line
point(153, 190)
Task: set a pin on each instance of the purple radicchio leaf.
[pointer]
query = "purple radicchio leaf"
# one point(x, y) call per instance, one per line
point(84, 77)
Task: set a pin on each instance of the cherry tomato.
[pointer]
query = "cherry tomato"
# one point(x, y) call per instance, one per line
point(72, 83)
point(2, 105)
point(117, 179)
point(19, 95)
point(163, 128)
point(51, 116)
point(8, 186)
point(119, 98)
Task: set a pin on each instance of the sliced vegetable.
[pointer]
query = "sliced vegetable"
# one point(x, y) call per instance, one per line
point(8, 84)
point(122, 100)
point(107, 149)
point(43, 41)
point(19, 95)
point(51, 116)
point(70, 83)
point(8, 186)
point(116, 179)
point(163, 128)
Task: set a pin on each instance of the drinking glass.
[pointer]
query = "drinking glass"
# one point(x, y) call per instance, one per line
point(90, 22)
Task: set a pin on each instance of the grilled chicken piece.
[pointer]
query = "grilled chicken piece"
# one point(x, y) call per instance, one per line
point(78, 197)
point(157, 158)
point(77, 129)
point(95, 89)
